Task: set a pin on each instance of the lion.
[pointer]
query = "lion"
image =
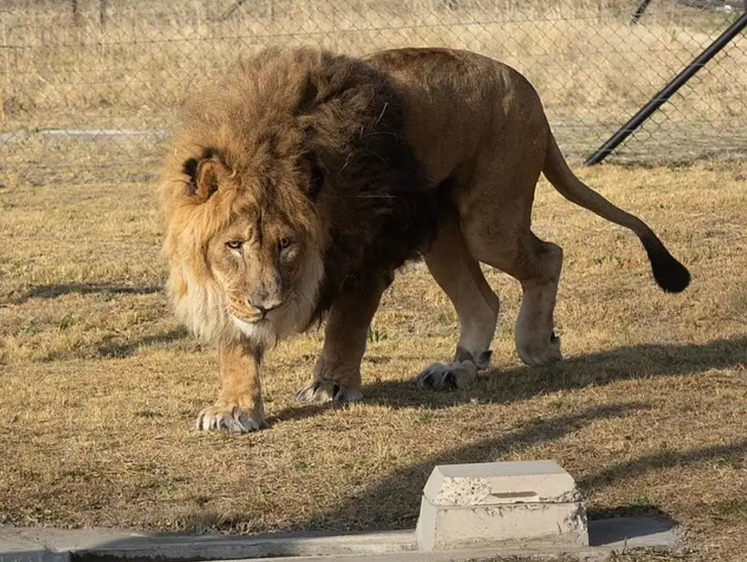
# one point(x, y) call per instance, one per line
point(297, 184)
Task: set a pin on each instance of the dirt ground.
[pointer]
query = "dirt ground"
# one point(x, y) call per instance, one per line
point(101, 386)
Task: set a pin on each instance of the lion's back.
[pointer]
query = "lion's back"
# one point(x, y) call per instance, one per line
point(458, 102)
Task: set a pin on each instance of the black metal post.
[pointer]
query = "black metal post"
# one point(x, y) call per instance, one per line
point(640, 10)
point(675, 84)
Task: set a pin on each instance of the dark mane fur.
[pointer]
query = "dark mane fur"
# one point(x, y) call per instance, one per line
point(381, 208)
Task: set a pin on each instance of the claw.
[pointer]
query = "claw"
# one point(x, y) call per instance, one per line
point(327, 391)
point(229, 419)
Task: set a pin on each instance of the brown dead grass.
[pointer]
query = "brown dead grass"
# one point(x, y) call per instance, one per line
point(100, 386)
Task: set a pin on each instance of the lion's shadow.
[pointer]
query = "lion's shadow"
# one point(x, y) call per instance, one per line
point(375, 508)
point(501, 386)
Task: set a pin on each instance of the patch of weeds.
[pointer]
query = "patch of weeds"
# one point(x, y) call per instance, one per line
point(559, 404)
point(30, 330)
point(201, 499)
point(538, 421)
point(737, 297)
point(641, 502)
point(613, 260)
point(732, 461)
point(445, 319)
point(375, 336)
point(377, 360)
point(66, 321)
point(426, 416)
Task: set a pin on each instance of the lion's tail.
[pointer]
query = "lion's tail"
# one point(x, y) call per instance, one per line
point(670, 274)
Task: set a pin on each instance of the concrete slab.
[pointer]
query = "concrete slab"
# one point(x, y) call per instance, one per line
point(500, 504)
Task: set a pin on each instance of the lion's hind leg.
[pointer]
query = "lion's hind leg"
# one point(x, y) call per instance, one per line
point(477, 306)
point(536, 340)
point(536, 265)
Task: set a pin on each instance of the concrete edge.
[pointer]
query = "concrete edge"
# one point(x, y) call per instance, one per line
point(14, 547)
point(53, 545)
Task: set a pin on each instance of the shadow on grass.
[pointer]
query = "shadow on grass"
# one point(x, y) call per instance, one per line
point(502, 386)
point(608, 476)
point(62, 289)
point(110, 350)
point(520, 383)
point(394, 502)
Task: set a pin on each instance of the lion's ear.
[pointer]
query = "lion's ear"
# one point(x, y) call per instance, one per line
point(208, 173)
point(204, 176)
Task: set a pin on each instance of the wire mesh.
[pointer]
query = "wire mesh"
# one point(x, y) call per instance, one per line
point(89, 88)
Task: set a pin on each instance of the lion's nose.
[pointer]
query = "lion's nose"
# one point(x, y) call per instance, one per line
point(264, 303)
point(263, 311)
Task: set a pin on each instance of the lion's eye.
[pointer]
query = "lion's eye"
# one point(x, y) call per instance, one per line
point(235, 244)
point(283, 243)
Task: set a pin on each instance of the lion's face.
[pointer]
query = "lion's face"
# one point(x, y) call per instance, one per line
point(249, 238)
point(268, 271)
point(255, 264)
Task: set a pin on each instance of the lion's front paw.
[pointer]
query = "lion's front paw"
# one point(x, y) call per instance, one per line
point(541, 352)
point(328, 391)
point(440, 376)
point(230, 418)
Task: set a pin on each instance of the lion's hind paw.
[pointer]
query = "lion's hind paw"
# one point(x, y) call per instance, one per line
point(544, 352)
point(328, 391)
point(230, 419)
point(440, 376)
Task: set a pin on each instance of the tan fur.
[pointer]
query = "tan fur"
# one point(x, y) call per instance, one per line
point(298, 183)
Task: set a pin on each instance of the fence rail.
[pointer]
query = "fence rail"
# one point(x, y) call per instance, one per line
point(89, 88)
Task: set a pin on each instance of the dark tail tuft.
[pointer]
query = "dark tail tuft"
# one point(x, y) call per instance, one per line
point(670, 274)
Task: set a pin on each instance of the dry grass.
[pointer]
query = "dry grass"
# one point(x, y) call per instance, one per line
point(100, 386)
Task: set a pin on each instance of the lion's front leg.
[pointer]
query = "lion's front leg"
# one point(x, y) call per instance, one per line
point(239, 408)
point(337, 375)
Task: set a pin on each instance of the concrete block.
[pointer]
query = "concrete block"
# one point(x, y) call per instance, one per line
point(498, 504)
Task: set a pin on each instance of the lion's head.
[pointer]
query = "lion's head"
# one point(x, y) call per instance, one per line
point(278, 192)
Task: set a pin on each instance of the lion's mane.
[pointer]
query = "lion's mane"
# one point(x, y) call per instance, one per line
point(270, 116)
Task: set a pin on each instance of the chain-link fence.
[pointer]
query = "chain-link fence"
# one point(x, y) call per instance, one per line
point(89, 88)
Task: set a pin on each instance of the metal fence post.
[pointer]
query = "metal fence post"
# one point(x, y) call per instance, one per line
point(675, 84)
